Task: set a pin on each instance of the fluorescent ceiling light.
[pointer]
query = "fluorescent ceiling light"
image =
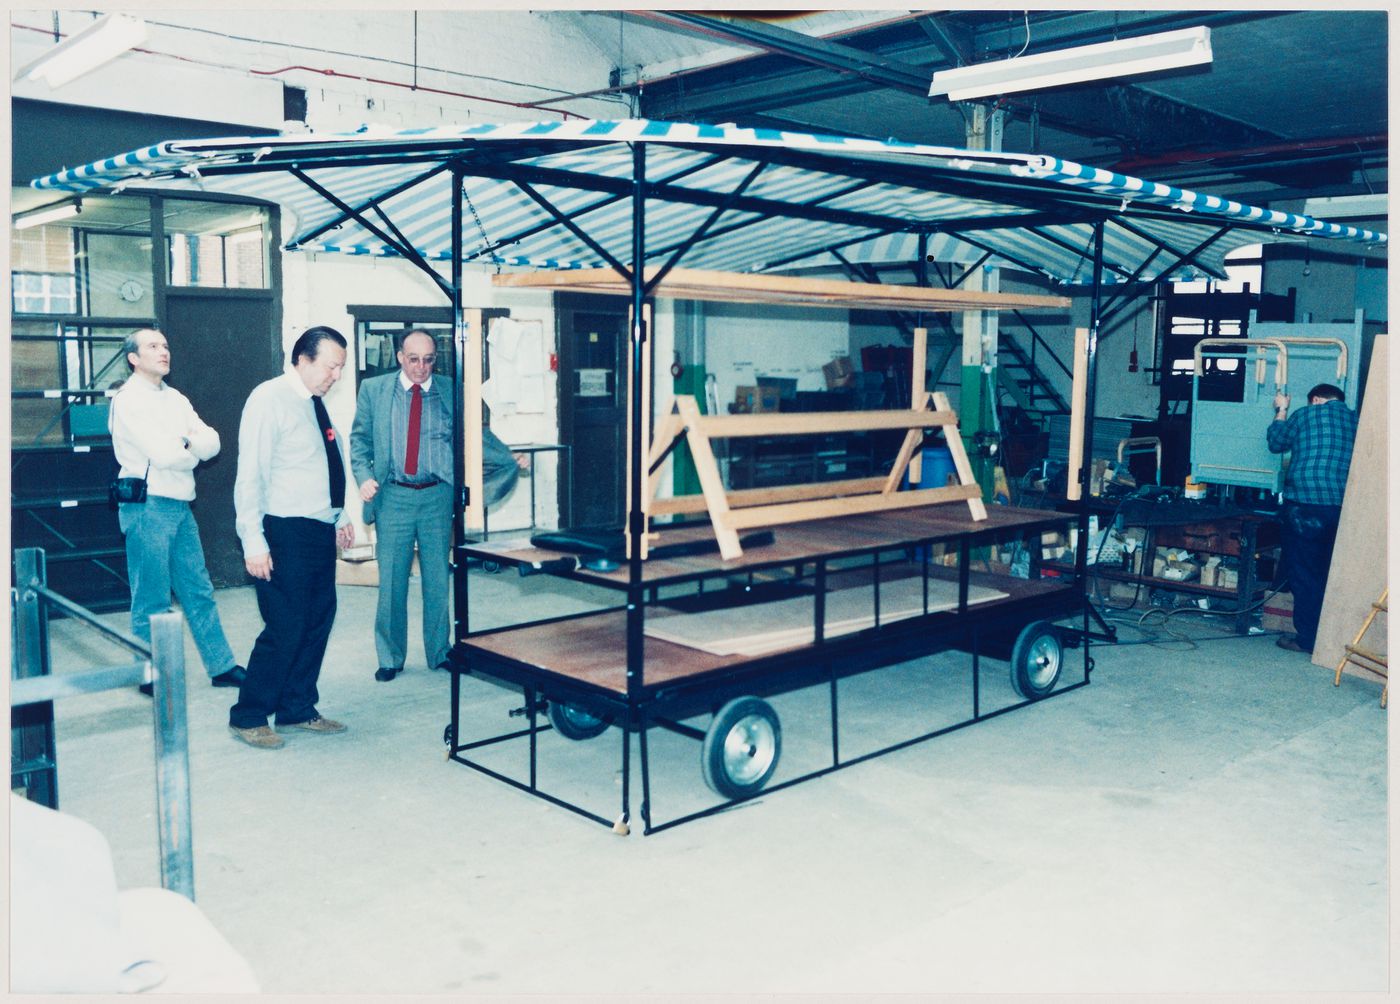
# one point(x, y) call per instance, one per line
point(104, 40)
point(48, 214)
point(1167, 50)
point(1340, 206)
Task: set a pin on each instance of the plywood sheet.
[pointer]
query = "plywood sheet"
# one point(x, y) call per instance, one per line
point(1358, 572)
point(767, 627)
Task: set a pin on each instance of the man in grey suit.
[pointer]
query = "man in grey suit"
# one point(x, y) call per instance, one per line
point(401, 455)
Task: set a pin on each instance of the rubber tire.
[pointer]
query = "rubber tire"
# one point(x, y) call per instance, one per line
point(573, 722)
point(1037, 659)
point(449, 736)
point(725, 740)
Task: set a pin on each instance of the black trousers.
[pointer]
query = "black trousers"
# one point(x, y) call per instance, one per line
point(1309, 531)
point(298, 608)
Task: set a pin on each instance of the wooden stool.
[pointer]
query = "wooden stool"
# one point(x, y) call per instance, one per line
point(1367, 660)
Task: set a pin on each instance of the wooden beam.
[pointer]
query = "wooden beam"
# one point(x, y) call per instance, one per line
point(851, 505)
point(472, 418)
point(912, 440)
point(666, 430)
point(918, 392)
point(1079, 390)
point(743, 287)
point(960, 462)
point(811, 423)
point(710, 481)
point(679, 504)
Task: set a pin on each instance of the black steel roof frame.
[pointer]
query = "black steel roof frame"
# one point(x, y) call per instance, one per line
point(1089, 204)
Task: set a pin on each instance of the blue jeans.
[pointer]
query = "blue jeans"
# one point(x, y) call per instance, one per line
point(163, 553)
point(1309, 533)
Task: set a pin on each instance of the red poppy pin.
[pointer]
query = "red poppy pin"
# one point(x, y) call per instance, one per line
point(330, 435)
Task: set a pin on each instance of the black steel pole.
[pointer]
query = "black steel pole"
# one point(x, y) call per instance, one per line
point(459, 367)
point(1081, 553)
point(635, 524)
point(1081, 556)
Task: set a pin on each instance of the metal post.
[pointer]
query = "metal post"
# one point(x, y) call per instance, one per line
point(172, 754)
point(32, 733)
point(1081, 556)
point(460, 625)
point(635, 522)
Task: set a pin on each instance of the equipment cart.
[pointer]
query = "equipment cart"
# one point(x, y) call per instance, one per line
point(826, 600)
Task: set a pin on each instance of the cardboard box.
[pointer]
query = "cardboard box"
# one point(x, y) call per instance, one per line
point(1277, 614)
point(756, 400)
point(839, 373)
point(356, 573)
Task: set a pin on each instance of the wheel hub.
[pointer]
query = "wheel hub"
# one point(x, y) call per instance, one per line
point(749, 749)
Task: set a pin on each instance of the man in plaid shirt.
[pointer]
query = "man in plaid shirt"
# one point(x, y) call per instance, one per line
point(1320, 438)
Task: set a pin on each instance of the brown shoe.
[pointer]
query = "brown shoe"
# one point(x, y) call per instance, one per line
point(1290, 643)
point(317, 724)
point(260, 737)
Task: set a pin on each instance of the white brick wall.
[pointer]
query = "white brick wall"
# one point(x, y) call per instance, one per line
point(229, 66)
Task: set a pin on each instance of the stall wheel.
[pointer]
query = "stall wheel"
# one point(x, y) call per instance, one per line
point(449, 735)
point(741, 748)
point(573, 722)
point(1036, 660)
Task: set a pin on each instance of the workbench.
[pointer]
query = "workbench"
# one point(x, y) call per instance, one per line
point(1199, 527)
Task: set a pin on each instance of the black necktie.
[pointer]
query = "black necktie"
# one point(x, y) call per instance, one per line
point(335, 467)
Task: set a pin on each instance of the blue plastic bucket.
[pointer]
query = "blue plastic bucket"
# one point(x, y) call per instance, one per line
point(938, 465)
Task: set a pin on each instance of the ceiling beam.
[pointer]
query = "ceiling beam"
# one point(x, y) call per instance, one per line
point(875, 68)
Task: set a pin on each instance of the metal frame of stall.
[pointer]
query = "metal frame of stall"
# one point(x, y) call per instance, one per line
point(1038, 194)
point(663, 704)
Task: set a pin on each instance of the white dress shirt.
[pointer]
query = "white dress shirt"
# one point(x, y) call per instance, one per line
point(149, 424)
point(281, 462)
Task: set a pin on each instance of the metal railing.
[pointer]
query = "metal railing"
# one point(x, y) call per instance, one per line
point(33, 689)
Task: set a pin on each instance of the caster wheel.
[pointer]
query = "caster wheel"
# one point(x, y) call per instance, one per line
point(573, 722)
point(449, 736)
point(1036, 660)
point(741, 748)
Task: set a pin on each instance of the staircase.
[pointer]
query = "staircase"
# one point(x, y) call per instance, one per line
point(1020, 378)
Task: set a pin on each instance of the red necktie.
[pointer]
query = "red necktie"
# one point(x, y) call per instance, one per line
point(415, 421)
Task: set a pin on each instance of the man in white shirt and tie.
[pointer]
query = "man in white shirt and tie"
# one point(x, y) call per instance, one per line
point(156, 435)
point(289, 500)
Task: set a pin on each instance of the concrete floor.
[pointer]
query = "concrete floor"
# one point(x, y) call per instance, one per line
point(1207, 816)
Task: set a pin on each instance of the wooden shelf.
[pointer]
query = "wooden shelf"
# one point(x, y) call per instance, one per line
point(1152, 581)
point(740, 287)
point(592, 650)
point(824, 538)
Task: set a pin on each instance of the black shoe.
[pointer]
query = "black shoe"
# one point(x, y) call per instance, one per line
point(233, 678)
point(384, 674)
point(149, 689)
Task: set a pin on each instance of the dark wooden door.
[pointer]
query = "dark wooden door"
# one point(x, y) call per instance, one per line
point(222, 345)
point(593, 360)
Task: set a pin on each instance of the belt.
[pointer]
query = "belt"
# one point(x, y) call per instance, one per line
point(420, 486)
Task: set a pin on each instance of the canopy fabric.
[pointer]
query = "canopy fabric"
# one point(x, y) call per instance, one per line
point(559, 195)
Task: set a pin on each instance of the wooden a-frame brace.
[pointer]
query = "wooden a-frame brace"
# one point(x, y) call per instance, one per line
point(731, 512)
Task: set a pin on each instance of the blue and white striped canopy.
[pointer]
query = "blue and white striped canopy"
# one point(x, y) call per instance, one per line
point(559, 195)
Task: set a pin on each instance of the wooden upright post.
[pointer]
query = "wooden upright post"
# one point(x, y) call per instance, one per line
point(471, 418)
point(917, 393)
point(1078, 392)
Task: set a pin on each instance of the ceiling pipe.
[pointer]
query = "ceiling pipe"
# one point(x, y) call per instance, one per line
point(1372, 141)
